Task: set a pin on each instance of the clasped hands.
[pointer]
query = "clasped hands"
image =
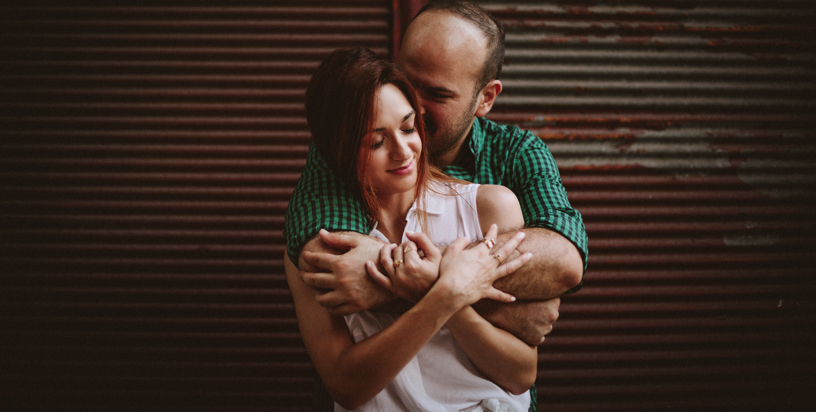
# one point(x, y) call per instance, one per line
point(412, 268)
point(347, 280)
point(335, 265)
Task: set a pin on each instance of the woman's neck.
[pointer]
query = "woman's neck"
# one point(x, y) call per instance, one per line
point(393, 212)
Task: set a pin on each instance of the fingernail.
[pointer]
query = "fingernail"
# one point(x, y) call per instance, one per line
point(409, 232)
point(528, 255)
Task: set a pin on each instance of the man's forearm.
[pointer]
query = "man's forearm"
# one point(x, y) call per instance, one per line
point(555, 268)
point(528, 320)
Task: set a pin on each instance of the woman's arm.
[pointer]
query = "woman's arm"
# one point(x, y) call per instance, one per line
point(355, 373)
point(503, 358)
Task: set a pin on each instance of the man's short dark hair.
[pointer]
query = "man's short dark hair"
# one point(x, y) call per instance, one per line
point(490, 27)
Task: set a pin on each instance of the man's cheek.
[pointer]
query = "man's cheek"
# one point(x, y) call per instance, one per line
point(430, 125)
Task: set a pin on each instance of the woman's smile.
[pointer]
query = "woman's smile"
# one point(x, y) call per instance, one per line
point(404, 170)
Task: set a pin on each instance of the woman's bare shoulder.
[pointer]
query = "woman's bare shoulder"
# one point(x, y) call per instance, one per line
point(498, 204)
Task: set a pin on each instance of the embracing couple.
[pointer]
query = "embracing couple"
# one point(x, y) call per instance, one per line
point(427, 246)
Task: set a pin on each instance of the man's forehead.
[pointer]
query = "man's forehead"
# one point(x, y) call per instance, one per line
point(429, 80)
point(443, 29)
point(441, 51)
point(421, 79)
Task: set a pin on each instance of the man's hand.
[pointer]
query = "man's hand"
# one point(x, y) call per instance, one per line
point(334, 264)
point(528, 320)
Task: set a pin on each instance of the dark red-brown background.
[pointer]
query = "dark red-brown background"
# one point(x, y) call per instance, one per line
point(148, 151)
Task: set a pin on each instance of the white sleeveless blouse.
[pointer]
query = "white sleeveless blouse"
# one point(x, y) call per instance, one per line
point(440, 377)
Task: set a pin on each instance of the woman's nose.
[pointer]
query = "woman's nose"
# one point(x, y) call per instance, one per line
point(401, 149)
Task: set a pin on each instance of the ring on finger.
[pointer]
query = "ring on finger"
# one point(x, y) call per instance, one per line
point(408, 249)
point(397, 263)
point(498, 257)
point(490, 243)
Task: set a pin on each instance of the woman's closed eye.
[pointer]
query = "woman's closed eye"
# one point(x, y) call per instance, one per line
point(408, 126)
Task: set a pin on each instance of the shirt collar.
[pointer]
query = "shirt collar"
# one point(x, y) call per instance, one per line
point(475, 141)
point(476, 137)
point(434, 203)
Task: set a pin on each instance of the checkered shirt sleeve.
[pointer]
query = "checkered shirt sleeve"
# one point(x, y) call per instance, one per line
point(320, 201)
point(542, 195)
point(521, 161)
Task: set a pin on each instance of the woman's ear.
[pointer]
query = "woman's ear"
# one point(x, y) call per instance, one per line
point(487, 97)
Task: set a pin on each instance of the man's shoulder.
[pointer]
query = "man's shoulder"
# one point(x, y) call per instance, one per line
point(506, 137)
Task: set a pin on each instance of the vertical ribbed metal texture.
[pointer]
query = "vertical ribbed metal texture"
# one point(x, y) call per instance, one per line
point(684, 131)
point(147, 156)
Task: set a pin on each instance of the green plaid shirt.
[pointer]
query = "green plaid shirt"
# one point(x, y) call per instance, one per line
point(500, 155)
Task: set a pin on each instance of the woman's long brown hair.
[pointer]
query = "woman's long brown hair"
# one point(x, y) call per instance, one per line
point(340, 110)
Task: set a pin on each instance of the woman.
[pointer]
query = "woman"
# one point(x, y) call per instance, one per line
point(439, 354)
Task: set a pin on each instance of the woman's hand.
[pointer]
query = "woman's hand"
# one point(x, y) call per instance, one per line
point(412, 267)
point(469, 273)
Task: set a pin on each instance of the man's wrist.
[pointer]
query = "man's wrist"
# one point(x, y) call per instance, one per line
point(395, 305)
point(490, 310)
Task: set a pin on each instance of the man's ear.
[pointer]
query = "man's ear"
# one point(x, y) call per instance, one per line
point(487, 96)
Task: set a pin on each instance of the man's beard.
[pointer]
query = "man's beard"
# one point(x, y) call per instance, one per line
point(441, 142)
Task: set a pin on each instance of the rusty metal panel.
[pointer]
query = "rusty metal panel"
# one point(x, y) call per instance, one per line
point(147, 155)
point(685, 132)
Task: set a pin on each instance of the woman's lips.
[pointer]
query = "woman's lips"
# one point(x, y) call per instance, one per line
point(403, 170)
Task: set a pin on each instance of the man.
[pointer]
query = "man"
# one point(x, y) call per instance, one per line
point(452, 52)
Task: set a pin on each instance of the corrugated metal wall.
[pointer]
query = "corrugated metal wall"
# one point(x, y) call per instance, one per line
point(148, 154)
point(684, 131)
